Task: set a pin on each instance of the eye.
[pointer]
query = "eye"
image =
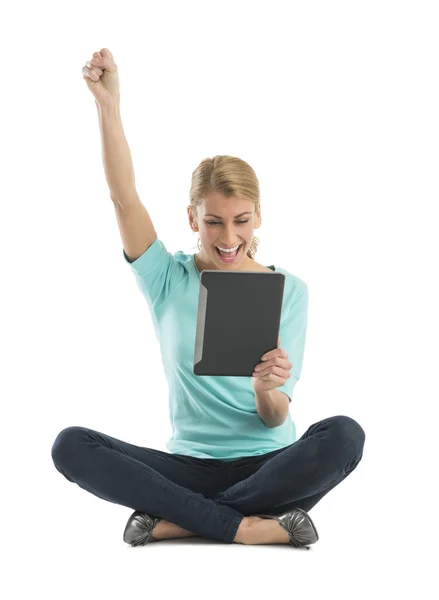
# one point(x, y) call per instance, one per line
point(218, 223)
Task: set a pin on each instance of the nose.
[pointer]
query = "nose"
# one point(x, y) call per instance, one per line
point(230, 238)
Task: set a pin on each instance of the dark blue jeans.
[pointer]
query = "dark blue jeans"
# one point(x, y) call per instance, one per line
point(208, 496)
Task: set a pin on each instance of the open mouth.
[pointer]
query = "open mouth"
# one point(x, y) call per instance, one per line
point(228, 257)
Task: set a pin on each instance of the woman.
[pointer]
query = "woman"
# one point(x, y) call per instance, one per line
point(235, 471)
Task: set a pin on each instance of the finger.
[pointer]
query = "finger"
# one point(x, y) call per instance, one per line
point(277, 360)
point(273, 370)
point(284, 363)
point(92, 67)
point(274, 378)
point(278, 353)
point(90, 73)
point(106, 53)
point(104, 62)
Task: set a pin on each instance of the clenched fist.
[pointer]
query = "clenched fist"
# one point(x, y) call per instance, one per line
point(102, 78)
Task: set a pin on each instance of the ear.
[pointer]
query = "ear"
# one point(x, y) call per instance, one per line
point(192, 221)
point(258, 218)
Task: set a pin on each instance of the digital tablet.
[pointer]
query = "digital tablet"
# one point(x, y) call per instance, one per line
point(238, 320)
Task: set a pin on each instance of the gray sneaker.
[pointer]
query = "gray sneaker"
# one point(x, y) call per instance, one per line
point(138, 530)
point(299, 526)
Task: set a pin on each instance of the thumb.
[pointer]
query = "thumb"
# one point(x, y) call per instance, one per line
point(278, 342)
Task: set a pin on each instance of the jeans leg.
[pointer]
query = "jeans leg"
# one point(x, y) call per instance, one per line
point(300, 474)
point(173, 487)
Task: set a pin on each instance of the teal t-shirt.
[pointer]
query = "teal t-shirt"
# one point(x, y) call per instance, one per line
point(211, 416)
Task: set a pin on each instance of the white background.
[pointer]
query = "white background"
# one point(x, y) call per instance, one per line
point(335, 106)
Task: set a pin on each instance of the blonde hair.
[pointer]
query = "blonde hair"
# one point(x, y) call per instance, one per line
point(229, 176)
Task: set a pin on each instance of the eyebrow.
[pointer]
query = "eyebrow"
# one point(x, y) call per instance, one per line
point(216, 216)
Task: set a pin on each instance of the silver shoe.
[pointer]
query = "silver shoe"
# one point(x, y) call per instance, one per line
point(299, 526)
point(138, 530)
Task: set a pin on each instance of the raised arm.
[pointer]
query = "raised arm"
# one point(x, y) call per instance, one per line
point(135, 225)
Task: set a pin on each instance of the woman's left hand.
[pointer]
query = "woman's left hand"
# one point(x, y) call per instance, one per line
point(273, 371)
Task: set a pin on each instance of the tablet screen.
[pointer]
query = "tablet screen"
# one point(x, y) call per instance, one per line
point(238, 320)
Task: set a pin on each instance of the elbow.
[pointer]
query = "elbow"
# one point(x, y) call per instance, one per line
point(274, 423)
point(278, 424)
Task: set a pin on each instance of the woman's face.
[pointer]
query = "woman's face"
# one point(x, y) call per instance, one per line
point(225, 222)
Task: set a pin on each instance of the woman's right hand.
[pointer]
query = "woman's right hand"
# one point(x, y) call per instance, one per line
point(102, 78)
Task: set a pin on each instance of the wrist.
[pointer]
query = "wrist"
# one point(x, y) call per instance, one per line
point(267, 395)
point(110, 108)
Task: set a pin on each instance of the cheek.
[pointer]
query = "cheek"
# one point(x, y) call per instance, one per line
point(209, 235)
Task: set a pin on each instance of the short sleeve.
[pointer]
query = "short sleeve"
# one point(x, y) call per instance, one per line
point(157, 273)
point(292, 334)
